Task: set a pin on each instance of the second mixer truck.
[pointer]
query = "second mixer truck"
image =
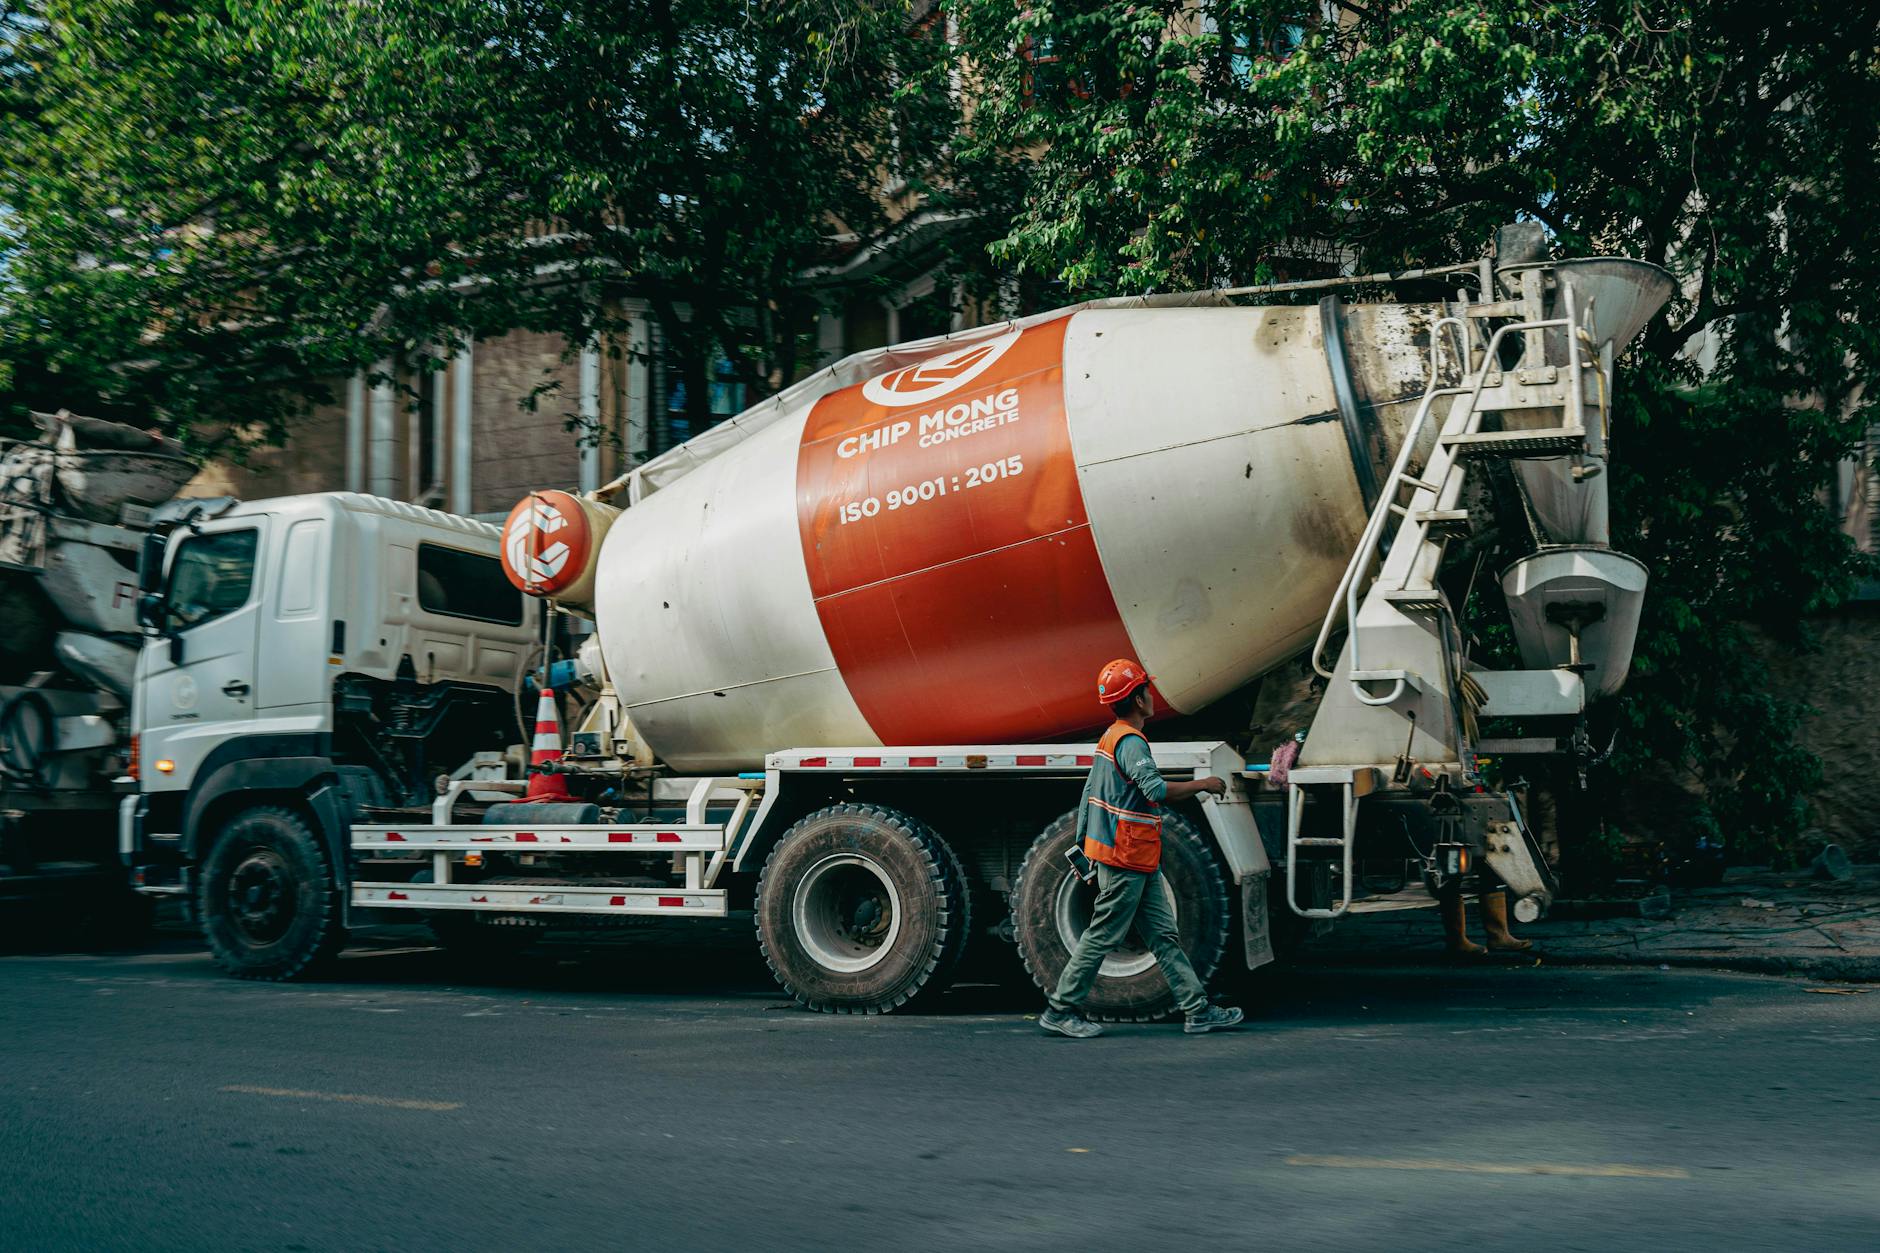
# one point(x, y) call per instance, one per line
point(844, 646)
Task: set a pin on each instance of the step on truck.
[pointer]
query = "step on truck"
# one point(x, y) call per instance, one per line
point(836, 658)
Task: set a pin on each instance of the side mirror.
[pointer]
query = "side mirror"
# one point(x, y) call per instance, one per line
point(150, 611)
point(150, 562)
point(150, 581)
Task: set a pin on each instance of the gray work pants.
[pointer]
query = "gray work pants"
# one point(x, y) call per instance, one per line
point(1126, 898)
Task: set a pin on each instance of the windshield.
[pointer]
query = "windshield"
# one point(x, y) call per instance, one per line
point(211, 576)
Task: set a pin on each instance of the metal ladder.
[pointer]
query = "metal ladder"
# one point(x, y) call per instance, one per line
point(1427, 521)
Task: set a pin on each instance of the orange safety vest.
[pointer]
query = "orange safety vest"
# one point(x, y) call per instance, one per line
point(1122, 827)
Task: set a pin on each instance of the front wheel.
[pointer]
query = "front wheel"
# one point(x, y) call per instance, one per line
point(270, 908)
point(861, 909)
point(1051, 907)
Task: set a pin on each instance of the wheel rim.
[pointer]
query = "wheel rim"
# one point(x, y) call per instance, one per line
point(1075, 901)
point(261, 897)
point(846, 913)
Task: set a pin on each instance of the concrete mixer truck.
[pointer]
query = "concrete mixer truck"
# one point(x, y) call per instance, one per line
point(843, 646)
point(75, 504)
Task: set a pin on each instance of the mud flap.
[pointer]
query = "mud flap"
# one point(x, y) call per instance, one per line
point(1511, 852)
point(1255, 927)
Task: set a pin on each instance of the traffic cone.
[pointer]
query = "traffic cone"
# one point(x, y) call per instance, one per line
point(546, 748)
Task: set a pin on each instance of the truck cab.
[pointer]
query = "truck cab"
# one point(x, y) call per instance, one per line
point(309, 660)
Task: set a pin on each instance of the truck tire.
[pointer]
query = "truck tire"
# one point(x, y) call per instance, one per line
point(1051, 906)
point(270, 908)
point(862, 910)
point(28, 730)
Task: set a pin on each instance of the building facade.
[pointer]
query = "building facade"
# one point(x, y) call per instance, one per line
point(474, 430)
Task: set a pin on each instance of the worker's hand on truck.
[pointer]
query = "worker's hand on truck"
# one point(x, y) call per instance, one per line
point(1181, 790)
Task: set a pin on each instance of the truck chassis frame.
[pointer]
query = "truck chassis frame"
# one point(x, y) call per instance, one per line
point(703, 849)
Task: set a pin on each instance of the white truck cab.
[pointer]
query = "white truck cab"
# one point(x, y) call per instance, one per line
point(310, 659)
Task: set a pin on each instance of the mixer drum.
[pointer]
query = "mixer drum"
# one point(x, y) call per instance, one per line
point(946, 552)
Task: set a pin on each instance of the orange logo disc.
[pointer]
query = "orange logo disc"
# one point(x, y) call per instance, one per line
point(546, 543)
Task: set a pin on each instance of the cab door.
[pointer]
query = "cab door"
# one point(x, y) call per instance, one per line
point(211, 616)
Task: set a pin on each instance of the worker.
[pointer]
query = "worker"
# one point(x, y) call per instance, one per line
point(1494, 901)
point(1121, 826)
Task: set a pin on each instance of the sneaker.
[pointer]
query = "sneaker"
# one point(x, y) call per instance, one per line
point(1069, 1022)
point(1213, 1018)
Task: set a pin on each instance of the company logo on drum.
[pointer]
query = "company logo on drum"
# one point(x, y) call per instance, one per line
point(544, 543)
point(937, 376)
point(529, 529)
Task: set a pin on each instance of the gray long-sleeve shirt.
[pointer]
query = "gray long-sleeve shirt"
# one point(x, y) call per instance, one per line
point(1134, 759)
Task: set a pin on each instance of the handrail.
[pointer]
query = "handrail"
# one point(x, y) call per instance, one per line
point(1367, 539)
point(1367, 543)
point(1576, 395)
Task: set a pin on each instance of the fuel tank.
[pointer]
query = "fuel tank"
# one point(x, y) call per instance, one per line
point(943, 545)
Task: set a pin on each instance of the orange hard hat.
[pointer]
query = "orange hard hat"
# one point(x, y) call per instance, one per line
point(1117, 680)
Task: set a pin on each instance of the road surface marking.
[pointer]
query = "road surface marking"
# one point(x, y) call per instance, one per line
point(1608, 1170)
point(1555, 1009)
point(390, 1102)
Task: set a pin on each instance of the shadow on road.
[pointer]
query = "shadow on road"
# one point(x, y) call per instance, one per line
point(720, 961)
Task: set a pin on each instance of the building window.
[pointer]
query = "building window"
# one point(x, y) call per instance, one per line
point(725, 397)
point(678, 421)
point(670, 422)
point(1245, 43)
point(727, 389)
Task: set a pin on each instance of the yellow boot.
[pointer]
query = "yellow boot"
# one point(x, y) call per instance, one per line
point(1455, 923)
point(1495, 922)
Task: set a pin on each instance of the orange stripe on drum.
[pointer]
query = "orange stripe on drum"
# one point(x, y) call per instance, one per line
point(949, 551)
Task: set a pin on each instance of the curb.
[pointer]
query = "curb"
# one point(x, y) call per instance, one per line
point(1839, 968)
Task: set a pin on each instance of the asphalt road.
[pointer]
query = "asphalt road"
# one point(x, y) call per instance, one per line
point(661, 1094)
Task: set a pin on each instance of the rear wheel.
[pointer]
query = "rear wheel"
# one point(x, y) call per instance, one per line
point(861, 909)
point(270, 908)
point(1051, 907)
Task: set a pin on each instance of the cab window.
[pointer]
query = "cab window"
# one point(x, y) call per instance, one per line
point(211, 577)
point(466, 585)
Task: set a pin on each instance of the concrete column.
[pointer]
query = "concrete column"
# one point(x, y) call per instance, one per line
point(356, 433)
point(414, 451)
point(382, 442)
point(439, 418)
point(639, 389)
point(461, 374)
point(590, 402)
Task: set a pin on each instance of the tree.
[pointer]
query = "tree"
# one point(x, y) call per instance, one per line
point(217, 203)
point(1184, 144)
